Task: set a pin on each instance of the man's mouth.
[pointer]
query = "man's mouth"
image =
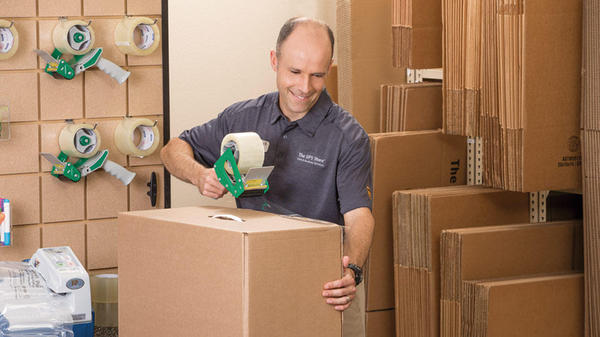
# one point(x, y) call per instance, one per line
point(301, 98)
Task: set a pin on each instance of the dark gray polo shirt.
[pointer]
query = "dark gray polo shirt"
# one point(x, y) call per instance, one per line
point(322, 161)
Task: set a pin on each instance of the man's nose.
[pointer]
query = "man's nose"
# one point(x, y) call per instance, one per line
point(304, 84)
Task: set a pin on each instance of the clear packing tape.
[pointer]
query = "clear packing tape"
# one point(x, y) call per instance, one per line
point(137, 36)
point(28, 307)
point(105, 299)
point(9, 39)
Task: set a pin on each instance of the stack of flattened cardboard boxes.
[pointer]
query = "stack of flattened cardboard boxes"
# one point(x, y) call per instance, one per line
point(403, 160)
point(590, 137)
point(419, 218)
point(473, 255)
point(417, 34)
point(232, 272)
point(364, 57)
point(411, 107)
point(506, 81)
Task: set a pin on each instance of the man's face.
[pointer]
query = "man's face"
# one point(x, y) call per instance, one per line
point(302, 66)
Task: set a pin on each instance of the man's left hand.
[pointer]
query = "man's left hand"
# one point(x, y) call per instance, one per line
point(341, 292)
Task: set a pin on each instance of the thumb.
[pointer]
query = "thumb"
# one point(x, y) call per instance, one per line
point(345, 261)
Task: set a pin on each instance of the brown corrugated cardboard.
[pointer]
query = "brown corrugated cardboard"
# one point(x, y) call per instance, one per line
point(380, 324)
point(405, 160)
point(332, 83)
point(544, 306)
point(364, 57)
point(192, 271)
point(498, 252)
point(417, 31)
point(590, 139)
point(411, 107)
point(419, 218)
point(497, 86)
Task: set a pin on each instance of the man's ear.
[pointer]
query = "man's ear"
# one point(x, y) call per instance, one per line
point(330, 65)
point(273, 56)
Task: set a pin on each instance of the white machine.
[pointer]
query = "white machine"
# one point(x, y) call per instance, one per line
point(47, 296)
point(65, 275)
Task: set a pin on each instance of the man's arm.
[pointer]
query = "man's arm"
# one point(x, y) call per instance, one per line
point(178, 158)
point(359, 226)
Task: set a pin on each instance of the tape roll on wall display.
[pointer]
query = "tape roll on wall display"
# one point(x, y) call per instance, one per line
point(74, 37)
point(137, 137)
point(79, 140)
point(248, 150)
point(142, 29)
point(9, 40)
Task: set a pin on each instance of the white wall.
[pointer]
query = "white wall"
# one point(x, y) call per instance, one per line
point(218, 55)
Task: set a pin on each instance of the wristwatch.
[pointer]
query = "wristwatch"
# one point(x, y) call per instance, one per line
point(358, 273)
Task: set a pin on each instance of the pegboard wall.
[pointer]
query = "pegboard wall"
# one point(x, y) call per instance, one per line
point(47, 211)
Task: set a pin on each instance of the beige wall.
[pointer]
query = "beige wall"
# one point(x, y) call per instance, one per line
point(219, 55)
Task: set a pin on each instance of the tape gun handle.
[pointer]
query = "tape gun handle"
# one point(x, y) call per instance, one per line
point(118, 171)
point(113, 70)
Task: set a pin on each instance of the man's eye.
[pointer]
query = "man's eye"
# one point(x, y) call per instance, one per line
point(319, 75)
point(295, 71)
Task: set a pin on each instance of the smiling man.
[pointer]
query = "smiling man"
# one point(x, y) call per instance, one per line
point(320, 153)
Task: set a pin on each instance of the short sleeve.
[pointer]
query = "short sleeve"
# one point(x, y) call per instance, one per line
point(354, 181)
point(205, 139)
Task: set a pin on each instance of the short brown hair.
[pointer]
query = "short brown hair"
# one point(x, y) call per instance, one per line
point(289, 26)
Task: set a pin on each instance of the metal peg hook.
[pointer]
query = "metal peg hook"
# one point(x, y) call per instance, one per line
point(95, 125)
point(155, 123)
point(12, 23)
point(89, 23)
point(155, 21)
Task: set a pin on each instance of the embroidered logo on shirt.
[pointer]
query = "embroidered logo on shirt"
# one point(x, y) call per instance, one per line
point(311, 159)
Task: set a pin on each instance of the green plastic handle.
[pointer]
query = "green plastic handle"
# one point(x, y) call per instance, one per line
point(236, 188)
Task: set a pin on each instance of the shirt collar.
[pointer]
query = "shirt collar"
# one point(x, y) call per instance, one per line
point(311, 121)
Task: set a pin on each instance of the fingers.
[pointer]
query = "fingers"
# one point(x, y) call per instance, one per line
point(209, 185)
point(340, 293)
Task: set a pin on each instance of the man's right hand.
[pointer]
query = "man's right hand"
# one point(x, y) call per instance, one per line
point(208, 184)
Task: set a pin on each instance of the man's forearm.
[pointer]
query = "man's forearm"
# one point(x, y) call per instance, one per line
point(178, 158)
point(359, 226)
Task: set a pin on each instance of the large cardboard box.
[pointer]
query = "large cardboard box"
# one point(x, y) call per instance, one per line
point(404, 160)
point(208, 271)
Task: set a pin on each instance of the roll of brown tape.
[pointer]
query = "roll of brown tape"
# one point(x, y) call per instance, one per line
point(138, 137)
point(125, 36)
point(79, 140)
point(74, 37)
point(9, 40)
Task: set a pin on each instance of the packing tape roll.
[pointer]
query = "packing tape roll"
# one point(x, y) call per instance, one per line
point(125, 137)
point(105, 299)
point(79, 140)
point(125, 36)
point(74, 37)
point(104, 288)
point(248, 150)
point(9, 39)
